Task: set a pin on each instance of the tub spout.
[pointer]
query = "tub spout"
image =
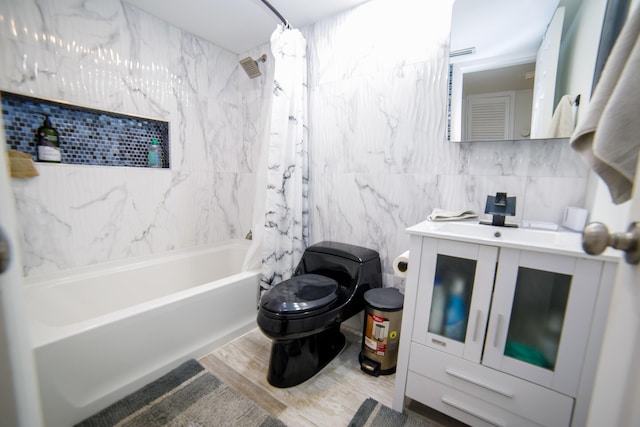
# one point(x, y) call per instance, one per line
point(249, 236)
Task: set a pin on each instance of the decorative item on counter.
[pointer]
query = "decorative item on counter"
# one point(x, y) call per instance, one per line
point(443, 215)
point(575, 218)
point(21, 164)
point(154, 157)
point(48, 143)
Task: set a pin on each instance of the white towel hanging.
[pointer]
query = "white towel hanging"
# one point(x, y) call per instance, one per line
point(608, 134)
point(562, 121)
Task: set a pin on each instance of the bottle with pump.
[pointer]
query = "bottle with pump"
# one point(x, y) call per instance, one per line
point(154, 158)
point(48, 143)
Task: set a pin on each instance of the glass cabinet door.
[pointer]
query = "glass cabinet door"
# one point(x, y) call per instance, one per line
point(540, 317)
point(454, 296)
point(451, 296)
point(537, 316)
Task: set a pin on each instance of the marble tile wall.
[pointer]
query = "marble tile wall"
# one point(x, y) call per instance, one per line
point(380, 160)
point(107, 55)
point(377, 106)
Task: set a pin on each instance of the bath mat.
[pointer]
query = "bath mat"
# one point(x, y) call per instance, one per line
point(189, 395)
point(375, 414)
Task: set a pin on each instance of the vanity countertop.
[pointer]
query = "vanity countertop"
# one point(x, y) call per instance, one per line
point(559, 242)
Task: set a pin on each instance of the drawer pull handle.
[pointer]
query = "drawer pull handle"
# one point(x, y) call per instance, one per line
point(440, 343)
point(494, 421)
point(479, 383)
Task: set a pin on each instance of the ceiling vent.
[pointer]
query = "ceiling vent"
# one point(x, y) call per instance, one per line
point(460, 52)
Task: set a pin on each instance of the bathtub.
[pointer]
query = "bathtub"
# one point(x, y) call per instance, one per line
point(101, 332)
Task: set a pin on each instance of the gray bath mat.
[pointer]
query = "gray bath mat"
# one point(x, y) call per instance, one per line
point(187, 396)
point(375, 414)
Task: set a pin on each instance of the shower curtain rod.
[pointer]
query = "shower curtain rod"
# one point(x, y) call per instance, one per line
point(275, 12)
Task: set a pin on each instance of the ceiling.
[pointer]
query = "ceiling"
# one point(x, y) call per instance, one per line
point(493, 27)
point(505, 28)
point(240, 25)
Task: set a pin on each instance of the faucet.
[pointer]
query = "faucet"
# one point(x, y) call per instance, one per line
point(500, 206)
point(500, 199)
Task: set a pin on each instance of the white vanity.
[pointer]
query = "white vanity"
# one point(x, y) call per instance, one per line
point(502, 326)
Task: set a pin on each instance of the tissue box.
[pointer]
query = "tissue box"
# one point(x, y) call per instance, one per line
point(575, 218)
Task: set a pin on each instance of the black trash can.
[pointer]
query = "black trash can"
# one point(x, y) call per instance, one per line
point(381, 332)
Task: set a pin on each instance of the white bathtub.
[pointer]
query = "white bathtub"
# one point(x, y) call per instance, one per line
point(101, 332)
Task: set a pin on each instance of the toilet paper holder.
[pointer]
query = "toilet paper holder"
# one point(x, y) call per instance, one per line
point(401, 264)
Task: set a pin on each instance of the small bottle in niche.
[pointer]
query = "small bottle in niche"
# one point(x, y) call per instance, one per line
point(48, 143)
point(154, 158)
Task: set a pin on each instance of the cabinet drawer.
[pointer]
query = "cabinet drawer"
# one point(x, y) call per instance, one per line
point(542, 405)
point(461, 406)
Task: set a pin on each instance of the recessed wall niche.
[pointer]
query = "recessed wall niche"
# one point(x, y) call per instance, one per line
point(87, 136)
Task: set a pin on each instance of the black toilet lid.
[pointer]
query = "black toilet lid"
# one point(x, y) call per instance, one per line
point(300, 293)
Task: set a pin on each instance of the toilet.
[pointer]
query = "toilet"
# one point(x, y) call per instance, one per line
point(302, 315)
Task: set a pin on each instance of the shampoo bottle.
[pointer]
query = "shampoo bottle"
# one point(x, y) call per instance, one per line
point(48, 143)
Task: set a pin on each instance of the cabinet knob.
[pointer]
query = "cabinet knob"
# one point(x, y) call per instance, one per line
point(596, 238)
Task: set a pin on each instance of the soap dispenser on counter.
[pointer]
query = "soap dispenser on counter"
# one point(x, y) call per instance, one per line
point(48, 143)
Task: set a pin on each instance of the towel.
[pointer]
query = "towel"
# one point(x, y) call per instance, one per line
point(21, 164)
point(441, 215)
point(608, 134)
point(562, 121)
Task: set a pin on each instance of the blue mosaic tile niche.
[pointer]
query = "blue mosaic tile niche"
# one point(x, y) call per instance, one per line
point(87, 136)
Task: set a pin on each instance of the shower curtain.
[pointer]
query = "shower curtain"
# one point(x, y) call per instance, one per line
point(282, 189)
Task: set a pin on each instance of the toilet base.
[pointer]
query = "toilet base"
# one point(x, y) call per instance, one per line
point(293, 362)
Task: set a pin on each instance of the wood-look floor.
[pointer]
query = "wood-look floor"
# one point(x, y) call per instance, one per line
point(330, 398)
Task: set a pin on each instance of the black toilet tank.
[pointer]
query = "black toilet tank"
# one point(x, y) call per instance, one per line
point(349, 265)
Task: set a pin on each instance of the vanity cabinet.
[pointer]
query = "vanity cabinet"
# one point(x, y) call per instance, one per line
point(500, 328)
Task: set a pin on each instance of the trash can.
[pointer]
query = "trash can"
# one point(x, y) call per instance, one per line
point(381, 332)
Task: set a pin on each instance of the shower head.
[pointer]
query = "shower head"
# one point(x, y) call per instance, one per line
point(250, 65)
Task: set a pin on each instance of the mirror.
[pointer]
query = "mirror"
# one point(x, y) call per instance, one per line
point(513, 61)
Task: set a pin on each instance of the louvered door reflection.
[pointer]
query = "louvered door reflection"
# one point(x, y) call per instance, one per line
point(489, 117)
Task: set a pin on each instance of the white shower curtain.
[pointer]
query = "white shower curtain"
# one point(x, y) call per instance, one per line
point(283, 236)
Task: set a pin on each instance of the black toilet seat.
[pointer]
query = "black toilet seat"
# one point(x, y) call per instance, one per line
point(301, 293)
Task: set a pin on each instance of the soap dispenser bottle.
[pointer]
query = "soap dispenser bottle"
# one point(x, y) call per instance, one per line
point(48, 143)
point(154, 157)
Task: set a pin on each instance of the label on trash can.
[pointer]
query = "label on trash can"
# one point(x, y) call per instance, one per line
point(375, 339)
